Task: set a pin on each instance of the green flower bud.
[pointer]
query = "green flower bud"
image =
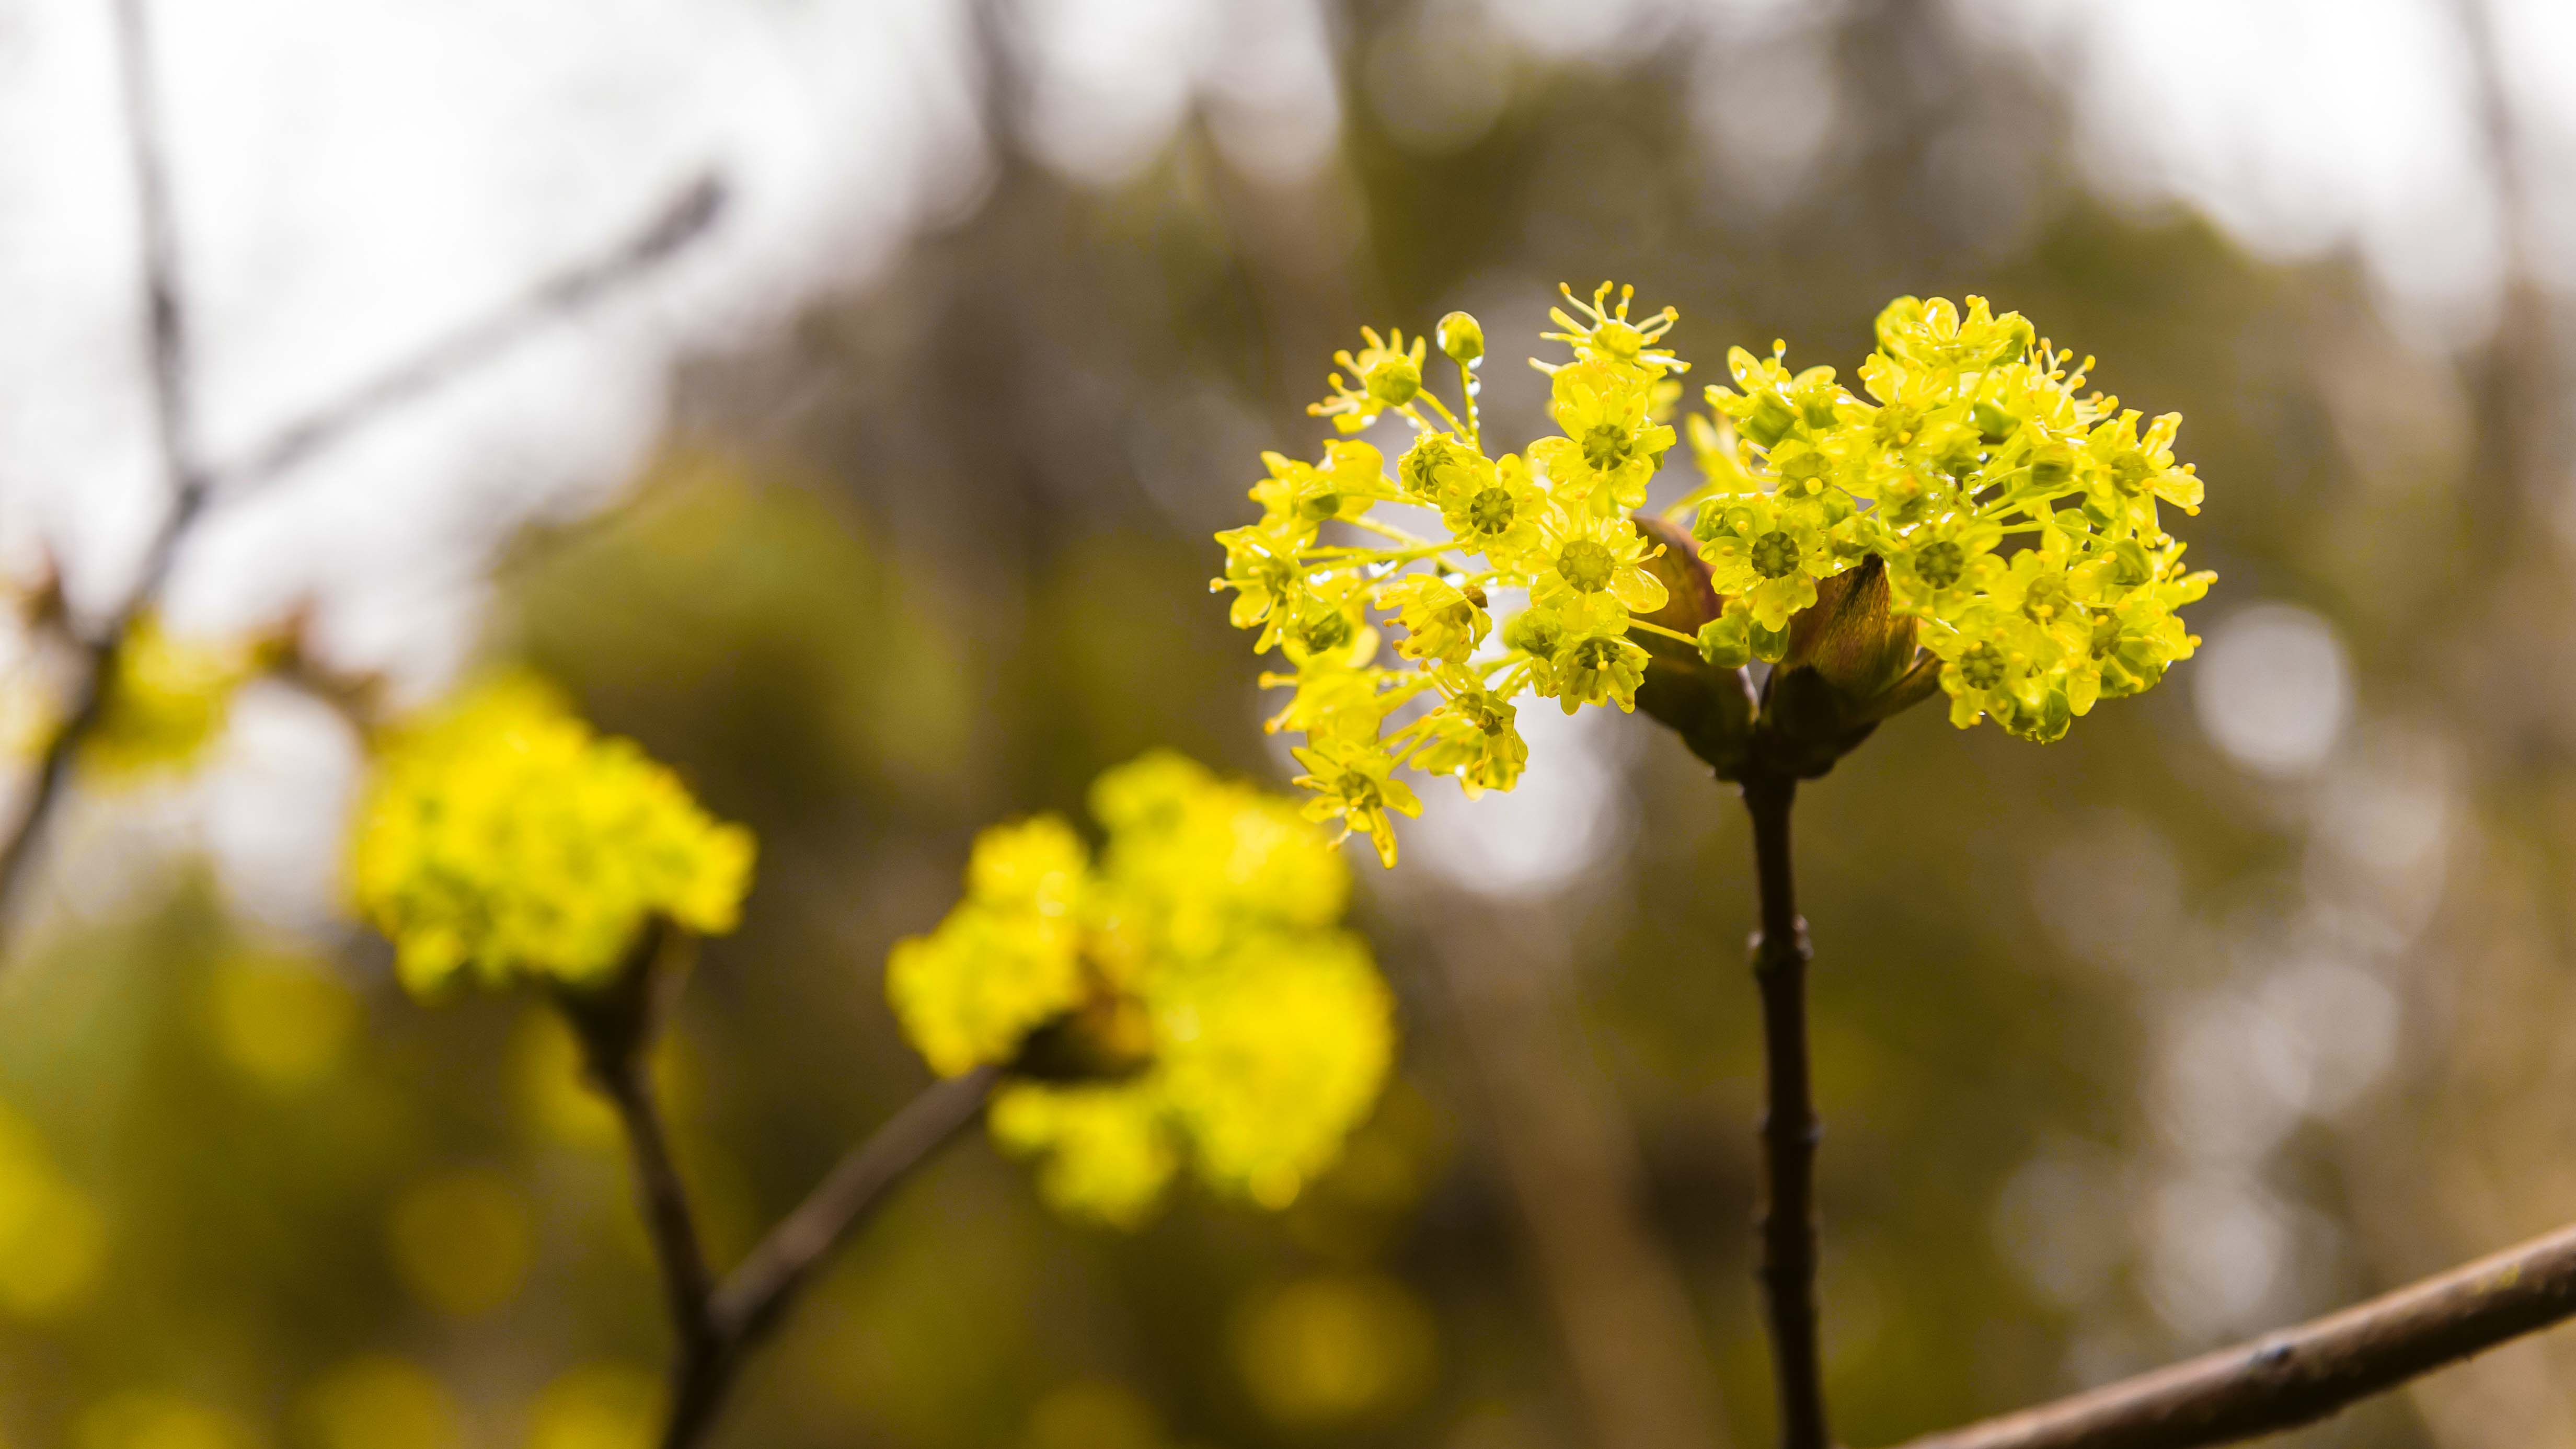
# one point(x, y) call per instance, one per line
point(1462, 340)
point(1724, 643)
point(1393, 379)
point(1994, 423)
point(1770, 421)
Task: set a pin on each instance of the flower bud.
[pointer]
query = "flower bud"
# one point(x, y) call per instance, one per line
point(1462, 340)
point(1849, 637)
point(1392, 379)
point(1704, 698)
point(1848, 664)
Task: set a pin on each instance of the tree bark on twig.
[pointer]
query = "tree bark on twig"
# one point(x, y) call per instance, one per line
point(1786, 1220)
point(714, 1326)
point(2303, 1374)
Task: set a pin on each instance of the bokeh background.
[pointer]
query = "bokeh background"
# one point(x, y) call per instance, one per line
point(884, 513)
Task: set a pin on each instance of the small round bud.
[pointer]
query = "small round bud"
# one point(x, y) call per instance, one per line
point(1392, 379)
point(1462, 339)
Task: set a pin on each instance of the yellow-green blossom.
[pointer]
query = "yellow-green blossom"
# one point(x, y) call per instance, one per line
point(1550, 521)
point(1210, 915)
point(2020, 520)
point(501, 840)
point(2020, 517)
point(167, 701)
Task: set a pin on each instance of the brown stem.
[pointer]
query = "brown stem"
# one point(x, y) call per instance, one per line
point(1786, 1219)
point(715, 1327)
point(757, 1294)
point(681, 220)
point(174, 432)
point(2303, 1374)
point(616, 1025)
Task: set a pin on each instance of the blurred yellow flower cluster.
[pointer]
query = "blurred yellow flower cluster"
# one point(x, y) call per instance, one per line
point(1187, 997)
point(1981, 438)
point(2016, 518)
point(503, 840)
point(167, 701)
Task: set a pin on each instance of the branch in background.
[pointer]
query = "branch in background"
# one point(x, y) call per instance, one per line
point(1786, 1222)
point(192, 486)
point(1569, 1161)
point(713, 1327)
point(758, 1293)
point(2303, 1374)
point(174, 431)
point(683, 220)
point(616, 1029)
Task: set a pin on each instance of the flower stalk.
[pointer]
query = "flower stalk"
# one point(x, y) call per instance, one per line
point(715, 1324)
point(1785, 1220)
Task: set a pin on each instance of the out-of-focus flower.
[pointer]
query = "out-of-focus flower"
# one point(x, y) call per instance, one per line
point(1330, 1350)
point(598, 1406)
point(52, 1242)
point(502, 840)
point(461, 1241)
point(146, 1420)
point(379, 1402)
point(167, 701)
point(1185, 999)
point(1093, 1414)
point(279, 1020)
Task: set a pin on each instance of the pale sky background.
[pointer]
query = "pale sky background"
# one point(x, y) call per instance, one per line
point(354, 177)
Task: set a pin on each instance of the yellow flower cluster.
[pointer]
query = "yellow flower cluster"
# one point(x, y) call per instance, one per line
point(1185, 998)
point(166, 702)
point(503, 840)
point(1551, 521)
point(2016, 517)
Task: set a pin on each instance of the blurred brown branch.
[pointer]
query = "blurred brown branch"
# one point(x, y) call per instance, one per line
point(757, 1294)
point(681, 220)
point(2303, 1374)
point(174, 425)
point(717, 1325)
point(192, 484)
point(1786, 1221)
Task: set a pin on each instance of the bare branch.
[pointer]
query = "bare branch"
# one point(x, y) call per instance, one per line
point(193, 486)
point(1786, 1223)
point(686, 217)
point(174, 430)
point(756, 1296)
point(759, 1291)
point(2303, 1374)
point(616, 1025)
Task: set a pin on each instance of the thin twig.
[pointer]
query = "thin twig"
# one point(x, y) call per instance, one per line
point(1786, 1220)
point(193, 486)
point(2303, 1374)
point(174, 433)
point(758, 1293)
point(714, 1327)
point(616, 1025)
point(680, 221)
